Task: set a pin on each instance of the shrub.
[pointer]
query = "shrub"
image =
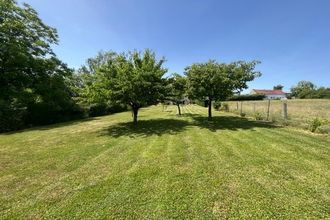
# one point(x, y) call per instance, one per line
point(324, 129)
point(117, 108)
point(44, 113)
point(200, 103)
point(11, 117)
point(242, 114)
point(247, 97)
point(98, 109)
point(225, 107)
point(258, 116)
point(236, 111)
point(217, 105)
point(315, 123)
point(273, 118)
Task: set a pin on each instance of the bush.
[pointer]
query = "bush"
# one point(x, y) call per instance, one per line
point(247, 97)
point(117, 108)
point(217, 105)
point(324, 129)
point(11, 117)
point(315, 123)
point(242, 114)
point(44, 113)
point(258, 116)
point(225, 107)
point(98, 109)
point(200, 103)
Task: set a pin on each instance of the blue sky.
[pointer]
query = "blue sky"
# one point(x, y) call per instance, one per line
point(290, 37)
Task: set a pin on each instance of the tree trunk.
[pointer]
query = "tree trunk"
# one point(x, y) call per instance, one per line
point(210, 109)
point(135, 114)
point(177, 104)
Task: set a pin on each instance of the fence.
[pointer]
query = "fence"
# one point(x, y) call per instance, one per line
point(294, 111)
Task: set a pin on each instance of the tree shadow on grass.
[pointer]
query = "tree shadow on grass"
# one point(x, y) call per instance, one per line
point(52, 126)
point(229, 123)
point(172, 126)
point(189, 115)
point(147, 128)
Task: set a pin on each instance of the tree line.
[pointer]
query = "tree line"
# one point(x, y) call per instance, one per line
point(37, 88)
point(137, 79)
point(308, 90)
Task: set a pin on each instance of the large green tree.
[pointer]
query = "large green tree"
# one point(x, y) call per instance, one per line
point(213, 81)
point(137, 80)
point(304, 89)
point(31, 77)
point(278, 87)
point(308, 90)
point(176, 89)
point(92, 84)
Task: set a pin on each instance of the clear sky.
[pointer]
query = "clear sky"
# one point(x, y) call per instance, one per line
point(290, 37)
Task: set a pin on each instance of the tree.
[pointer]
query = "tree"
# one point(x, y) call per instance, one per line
point(304, 89)
point(136, 79)
point(177, 89)
point(32, 80)
point(322, 93)
point(308, 90)
point(278, 87)
point(94, 84)
point(214, 81)
point(24, 43)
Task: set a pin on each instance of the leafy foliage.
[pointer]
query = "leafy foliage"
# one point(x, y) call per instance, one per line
point(247, 97)
point(137, 80)
point(317, 122)
point(308, 90)
point(217, 105)
point(37, 88)
point(218, 81)
point(258, 116)
point(304, 89)
point(323, 129)
point(278, 87)
point(176, 89)
point(33, 86)
point(92, 85)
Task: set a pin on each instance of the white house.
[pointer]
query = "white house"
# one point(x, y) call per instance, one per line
point(270, 94)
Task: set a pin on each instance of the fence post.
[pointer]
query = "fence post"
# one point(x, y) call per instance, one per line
point(237, 106)
point(254, 107)
point(241, 108)
point(268, 109)
point(285, 110)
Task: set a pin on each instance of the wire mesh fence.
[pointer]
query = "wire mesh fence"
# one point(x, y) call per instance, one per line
point(294, 111)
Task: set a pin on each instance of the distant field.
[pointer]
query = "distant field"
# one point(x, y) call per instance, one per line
point(170, 167)
point(300, 111)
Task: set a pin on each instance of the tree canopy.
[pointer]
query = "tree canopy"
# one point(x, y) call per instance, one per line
point(308, 90)
point(176, 92)
point(32, 79)
point(214, 81)
point(137, 79)
point(278, 87)
point(38, 88)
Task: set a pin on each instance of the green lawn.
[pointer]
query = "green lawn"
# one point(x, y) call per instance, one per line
point(169, 167)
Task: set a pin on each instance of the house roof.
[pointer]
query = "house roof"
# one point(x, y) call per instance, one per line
point(269, 92)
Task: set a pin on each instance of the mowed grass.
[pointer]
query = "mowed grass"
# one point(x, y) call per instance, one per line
point(170, 167)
